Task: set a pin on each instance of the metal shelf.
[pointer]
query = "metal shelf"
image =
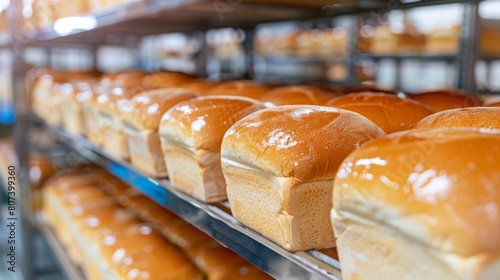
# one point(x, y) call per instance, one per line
point(211, 219)
point(71, 270)
point(125, 23)
point(430, 57)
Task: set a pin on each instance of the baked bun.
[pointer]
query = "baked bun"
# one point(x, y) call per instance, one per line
point(369, 88)
point(123, 79)
point(110, 107)
point(199, 86)
point(166, 79)
point(423, 201)
point(191, 134)
point(443, 100)
point(240, 88)
point(389, 112)
point(141, 119)
point(478, 117)
point(279, 165)
point(296, 95)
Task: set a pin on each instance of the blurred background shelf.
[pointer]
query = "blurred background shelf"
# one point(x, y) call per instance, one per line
point(210, 218)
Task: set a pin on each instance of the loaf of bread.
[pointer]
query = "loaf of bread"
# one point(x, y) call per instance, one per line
point(191, 134)
point(420, 204)
point(239, 88)
point(389, 112)
point(110, 108)
point(166, 79)
point(71, 107)
point(141, 120)
point(444, 100)
point(279, 165)
point(296, 95)
point(199, 86)
point(478, 117)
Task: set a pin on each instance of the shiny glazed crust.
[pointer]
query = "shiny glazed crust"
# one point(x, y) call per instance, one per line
point(486, 117)
point(428, 199)
point(389, 112)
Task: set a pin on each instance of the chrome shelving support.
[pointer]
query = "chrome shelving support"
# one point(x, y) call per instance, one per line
point(23, 201)
point(248, 46)
point(469, 47)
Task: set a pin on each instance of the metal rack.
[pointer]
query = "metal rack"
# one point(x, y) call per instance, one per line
point(125, 25)
point(210, 218)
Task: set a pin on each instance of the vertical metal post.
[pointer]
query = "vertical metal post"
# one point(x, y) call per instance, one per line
point(24, 228)
point(469, 47)
point(201, 58)
point(352, 51)
point(248, 46)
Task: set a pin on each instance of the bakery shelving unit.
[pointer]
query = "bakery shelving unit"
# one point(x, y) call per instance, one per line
point(125, 25)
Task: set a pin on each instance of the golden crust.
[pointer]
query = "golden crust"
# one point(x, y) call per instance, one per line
point(145, 110)
point(302, 141)
point(200, 123)
point(296, 95)
point(240, 88)
point(478, 117)
point(389, 112)
point(443, 100)
point(439, 187)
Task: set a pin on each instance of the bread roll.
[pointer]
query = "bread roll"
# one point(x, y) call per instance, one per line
point(148, 255)
point(296, 95)
point(141, 120)
point(123, 79)
point(166, 79)
point(389, 112)
point(40, 170)
point(420, 204)
point(71, 107)
point(199, 86)
point(110, 107)
point(478, 117)
point(279, 166)
point(443, 40)
point(240, 88)
point(87, 100)
point(191, 134)
point(443, 100)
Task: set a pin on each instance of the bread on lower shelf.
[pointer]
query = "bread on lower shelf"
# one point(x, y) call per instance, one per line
point(279, 165)
point(141, 120)
point(191, 134)
point(420, 204)
point(112, 242)
point(389, 112)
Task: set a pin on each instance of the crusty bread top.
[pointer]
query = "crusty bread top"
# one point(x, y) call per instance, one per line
point(439, 186)
point(487, 117)
point(389, 112)
point(166, 79)
point(200, 123)
point(443, 100)
point(145, 110)
point(302, 141)
point(116, 99)
point(296, 95)
point(123, 79)
point(240, 88)
point(199, 86)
